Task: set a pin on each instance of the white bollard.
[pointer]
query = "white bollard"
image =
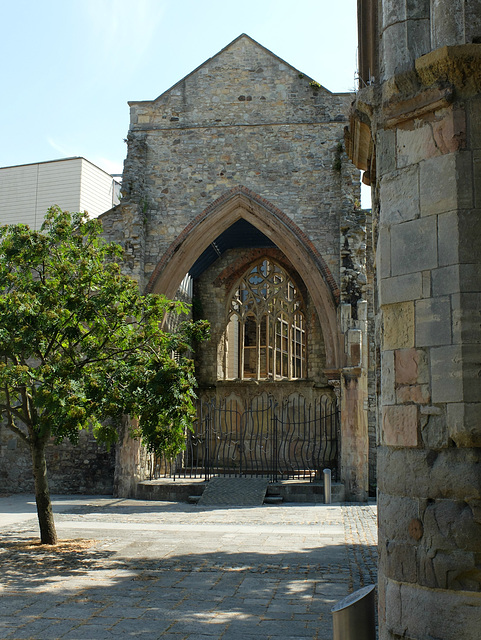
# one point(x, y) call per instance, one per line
point(327, 486)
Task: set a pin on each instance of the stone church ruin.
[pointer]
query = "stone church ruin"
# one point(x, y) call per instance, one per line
point(238, 198)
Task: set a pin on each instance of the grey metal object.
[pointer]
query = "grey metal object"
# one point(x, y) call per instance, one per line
point(353, 617)
point(327, 486)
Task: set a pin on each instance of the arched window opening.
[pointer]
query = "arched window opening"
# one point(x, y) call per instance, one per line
point(265, 336)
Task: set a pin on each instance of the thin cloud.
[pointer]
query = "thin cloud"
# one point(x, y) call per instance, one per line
point(60, 148)
point(122, 31)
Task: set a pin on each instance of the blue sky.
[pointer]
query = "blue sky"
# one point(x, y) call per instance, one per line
point(70, 66)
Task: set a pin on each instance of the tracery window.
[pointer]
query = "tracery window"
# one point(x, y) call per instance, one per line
point(265, 336)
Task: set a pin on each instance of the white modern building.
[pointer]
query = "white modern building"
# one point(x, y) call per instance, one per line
point(74, 184)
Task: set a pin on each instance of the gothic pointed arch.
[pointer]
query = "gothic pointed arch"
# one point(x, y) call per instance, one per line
point(233, 205)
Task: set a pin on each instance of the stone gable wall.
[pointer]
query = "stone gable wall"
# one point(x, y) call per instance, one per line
point(243, 118)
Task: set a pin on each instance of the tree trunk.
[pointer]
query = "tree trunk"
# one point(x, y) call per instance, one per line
point(48, 533)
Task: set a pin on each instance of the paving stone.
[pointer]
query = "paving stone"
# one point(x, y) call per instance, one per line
point(210, 584)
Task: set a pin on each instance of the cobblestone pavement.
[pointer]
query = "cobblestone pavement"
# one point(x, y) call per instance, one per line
point(181, 572)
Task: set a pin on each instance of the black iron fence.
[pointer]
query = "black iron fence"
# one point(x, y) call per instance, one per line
point(293, 439)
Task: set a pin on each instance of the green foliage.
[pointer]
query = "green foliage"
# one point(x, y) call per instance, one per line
point(315, 85)
point(337, 163)
point(79, 345)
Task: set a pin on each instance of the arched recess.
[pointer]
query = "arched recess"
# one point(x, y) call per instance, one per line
point(241, 202)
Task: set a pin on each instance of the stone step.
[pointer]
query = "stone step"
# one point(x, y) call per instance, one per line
point(181, 489)
point(273, 499)
point(234, 492)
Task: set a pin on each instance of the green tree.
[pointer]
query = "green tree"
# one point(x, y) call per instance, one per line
point(80, 347)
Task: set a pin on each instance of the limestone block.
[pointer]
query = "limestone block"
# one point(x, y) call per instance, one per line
point(438, 185)
point(393, 11)
point(428, 473)
point(397, 513)
point(399, 193)
point(400, 425)
point(406, 366)
point(398, 322)
point(417, 393)
point(418, 9)
point(471, 372)
point(434, 431)
point(418, 35)
point(433, 322)
point(394, 54)
point(465, 179)
point(448, 239)
point(388, 395)
point(448, 23)
point(383, 253)
point(415, 143)
point(385, 151)
point(477, 175)
point(401, 288)
point(401, 561)
point(452, 614)
point(446, 374)
point(467, 313)
point(469, 225)
point(445, 280)
point(426, 284)
point(413, 246)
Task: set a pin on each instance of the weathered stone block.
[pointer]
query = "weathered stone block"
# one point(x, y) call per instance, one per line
point(395, 55)
point(401, 561)
point(452, 615)
point(427, 284)
point(406, 366)
point(434, 431)
point(417, 393)
point(438, 185)
point(388, 395)
point(471, 372)
point(413, 246)
point(418, 36)
point(469, 230)
point(400, 196)
point(433, 322)
point(477, 176)
point(465, 178)
point(447, 374)
point(415, 142)
point(400, 425)
point(401, 288)
point(445, 280)
point(448, 239)
point(385, 151)
point(383, 257)
point(417, 9)
point(393, 11)
point(398, 512)
point(398, 324)
point(429, 473)
point(467, 316)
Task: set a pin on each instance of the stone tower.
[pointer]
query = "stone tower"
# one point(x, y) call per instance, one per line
point(415, 130)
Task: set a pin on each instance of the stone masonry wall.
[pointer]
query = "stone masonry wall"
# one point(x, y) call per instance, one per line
point(426, 127)
point(244, 117)
point(84, 468)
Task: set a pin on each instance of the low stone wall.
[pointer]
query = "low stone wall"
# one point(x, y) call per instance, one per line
point(84, 468)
